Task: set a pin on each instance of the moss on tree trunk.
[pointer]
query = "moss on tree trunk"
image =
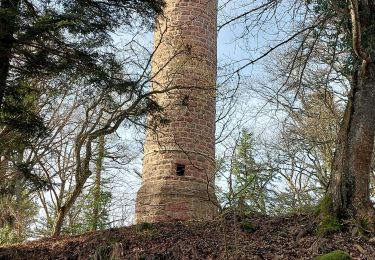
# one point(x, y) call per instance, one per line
point(349, 188)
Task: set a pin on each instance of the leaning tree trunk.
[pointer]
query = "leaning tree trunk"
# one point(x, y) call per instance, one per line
point(349, 187)
point(61, 211)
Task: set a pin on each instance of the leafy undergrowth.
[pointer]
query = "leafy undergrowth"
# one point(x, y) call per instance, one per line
point(228, 237)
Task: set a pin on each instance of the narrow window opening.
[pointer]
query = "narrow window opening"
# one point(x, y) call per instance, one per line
point(185, 101)
point(180, 170)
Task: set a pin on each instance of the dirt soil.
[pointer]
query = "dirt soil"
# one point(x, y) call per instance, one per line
point(229, 237)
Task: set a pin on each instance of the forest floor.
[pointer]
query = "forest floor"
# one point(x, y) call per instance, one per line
point(230, 237)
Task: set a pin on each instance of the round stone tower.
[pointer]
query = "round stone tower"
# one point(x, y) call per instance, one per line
point(179, 153)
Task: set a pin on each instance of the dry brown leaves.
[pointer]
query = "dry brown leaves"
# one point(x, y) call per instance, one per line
point(225, 238)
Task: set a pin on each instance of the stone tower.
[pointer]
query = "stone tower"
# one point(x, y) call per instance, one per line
point(179, 154)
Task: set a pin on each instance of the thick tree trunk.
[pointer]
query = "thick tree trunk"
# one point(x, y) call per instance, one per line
point(350, 179)
point(7, 28)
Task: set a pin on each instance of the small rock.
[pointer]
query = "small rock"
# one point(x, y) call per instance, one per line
point(372, 240)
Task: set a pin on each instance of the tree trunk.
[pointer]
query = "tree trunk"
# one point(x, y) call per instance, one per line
point(82, 174)
point(98, 183)
point(7, 28)
point(350, 179)
point(62, 210)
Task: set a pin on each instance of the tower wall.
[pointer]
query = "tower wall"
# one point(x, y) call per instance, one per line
point(179, 152)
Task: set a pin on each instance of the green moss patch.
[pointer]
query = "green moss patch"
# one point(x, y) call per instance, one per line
point(329, 223)
point(335, 255)
point(145, 226)
point(247, 226)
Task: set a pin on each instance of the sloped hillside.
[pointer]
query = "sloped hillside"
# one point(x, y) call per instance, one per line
point(229, 237)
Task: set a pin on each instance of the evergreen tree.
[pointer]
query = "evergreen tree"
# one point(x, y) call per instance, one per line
point(250, 183)
point(46, 43)
point(48, 48)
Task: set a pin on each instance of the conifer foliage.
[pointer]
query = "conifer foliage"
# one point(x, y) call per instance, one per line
point(49, 52)
point(42, 41)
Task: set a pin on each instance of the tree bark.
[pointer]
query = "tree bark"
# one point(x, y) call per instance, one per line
point(350, 179)
point(62, 210)
point(98, 183)
point(82, 174)
point(349, 186)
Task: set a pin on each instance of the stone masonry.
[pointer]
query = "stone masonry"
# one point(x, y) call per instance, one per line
point(179, 153)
